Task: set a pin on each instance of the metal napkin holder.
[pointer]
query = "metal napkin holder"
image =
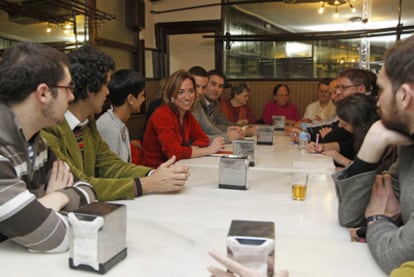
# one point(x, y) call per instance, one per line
point(245, 147)
point(278, 122)
point(98, 236)
point(233, 172)
point(264, 135)
point(252, 243)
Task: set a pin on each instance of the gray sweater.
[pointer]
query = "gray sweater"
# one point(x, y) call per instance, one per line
point(389, 244)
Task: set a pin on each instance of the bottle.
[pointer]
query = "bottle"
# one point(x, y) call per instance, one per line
point(303, 138)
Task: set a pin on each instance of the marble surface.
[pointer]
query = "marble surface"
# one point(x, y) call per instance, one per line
point(171, 234)
point(282, 156)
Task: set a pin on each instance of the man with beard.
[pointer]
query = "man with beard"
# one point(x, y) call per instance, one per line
point(385, 201)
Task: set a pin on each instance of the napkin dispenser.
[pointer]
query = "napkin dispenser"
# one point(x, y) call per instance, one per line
point(245, 148)
point(98, 236)
point(252, 243)
point(233, 172)
point(278, 122)
point(264, 135)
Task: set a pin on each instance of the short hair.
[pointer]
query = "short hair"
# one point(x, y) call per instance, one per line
point(173, 84)
point(215, 72)
point(324, 81)
point(276, 88)
point(26, 65)
point(357, 77)
point(238, 89)
point(399, 63)
point(123, 83)
point(89, 67)
point(198, 71)
point(361, 112)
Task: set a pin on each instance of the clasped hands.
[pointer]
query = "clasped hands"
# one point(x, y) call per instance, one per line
point(383, 200)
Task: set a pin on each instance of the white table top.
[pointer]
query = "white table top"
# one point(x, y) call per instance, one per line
point(170, 234)
point(282, 156)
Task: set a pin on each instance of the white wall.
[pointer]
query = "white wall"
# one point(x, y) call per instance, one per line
point(191, 49)
point(201, 14)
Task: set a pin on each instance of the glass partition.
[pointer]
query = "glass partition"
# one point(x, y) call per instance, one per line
point(254, 49)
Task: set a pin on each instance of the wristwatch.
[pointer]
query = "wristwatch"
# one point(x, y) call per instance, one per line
point(378, 217)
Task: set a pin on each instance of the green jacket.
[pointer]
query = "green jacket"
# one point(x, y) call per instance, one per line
point(111, 177)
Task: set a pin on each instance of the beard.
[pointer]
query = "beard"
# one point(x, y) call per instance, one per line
point(51, 116)
point(395, 120)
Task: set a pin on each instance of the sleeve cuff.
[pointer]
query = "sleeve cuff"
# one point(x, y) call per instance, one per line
point(138, 187)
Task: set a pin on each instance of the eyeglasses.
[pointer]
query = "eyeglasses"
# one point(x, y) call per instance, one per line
point(343, 87)
point(70, 87)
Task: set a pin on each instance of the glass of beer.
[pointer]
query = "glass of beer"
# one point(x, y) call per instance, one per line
point(299, 185)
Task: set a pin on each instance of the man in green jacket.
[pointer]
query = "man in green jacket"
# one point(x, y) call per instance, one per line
point(77, 141)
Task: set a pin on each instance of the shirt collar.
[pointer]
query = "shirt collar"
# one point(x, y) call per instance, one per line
point(116, 119)
point(73, 121)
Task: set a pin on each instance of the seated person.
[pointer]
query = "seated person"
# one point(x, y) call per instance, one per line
point(236, 109)
point(322, 109)
point(201, 78)
point(172, 130)
point(384, 200)
point(126, 95)
point(76, 139)
point(280, 106)
point(349, 82)
point(34, 185)
point(356, 114)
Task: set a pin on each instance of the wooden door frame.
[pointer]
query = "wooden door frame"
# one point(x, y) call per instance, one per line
point(163, 30)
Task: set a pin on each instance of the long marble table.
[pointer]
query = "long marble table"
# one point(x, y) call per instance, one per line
point(170, 234)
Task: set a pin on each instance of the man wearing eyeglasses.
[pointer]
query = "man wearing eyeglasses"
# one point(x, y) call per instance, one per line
point(333, 137)
point(385, 201)
point(35, 89)
point(77, 141)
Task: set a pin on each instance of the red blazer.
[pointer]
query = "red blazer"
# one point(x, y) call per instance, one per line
point(164, 137)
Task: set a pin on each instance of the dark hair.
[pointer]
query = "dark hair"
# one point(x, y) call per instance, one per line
point(173, 84)
point(238, 89)
point(357, 77)
point(325, 81)
point(215, 72)
point(26, 65)
point(276, 88)
point(89, 68)
point(399, 63)
point(198, 71)
point(123, 83)
point(361, 112)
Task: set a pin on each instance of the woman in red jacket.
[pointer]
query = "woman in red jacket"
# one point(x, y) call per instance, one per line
point(172, 129)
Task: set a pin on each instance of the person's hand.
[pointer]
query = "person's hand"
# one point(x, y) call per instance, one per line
point(235, 132)
point(313, 148)
point(337, 157)
point(235, 268)
point(168, 177)
point(60, 177)
point(242, 122)
point(293, 133)
point(383, 200)
point(217, 144)
point(250, 130)
point(324, 131)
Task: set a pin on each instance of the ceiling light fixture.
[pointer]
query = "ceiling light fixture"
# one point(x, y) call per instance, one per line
point(336, 4)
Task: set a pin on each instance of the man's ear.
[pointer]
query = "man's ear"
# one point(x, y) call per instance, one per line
point(130, 98)
point(43, 93)
point(406, 96)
